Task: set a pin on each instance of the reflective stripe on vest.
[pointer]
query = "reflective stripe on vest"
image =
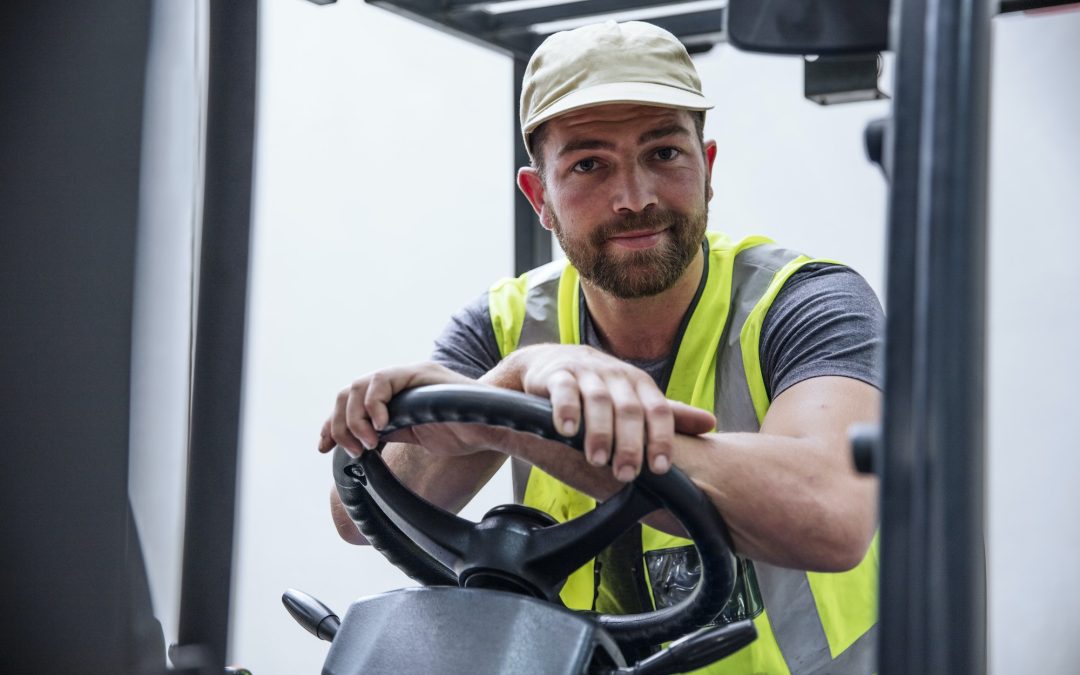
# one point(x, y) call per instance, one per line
point(819, 623)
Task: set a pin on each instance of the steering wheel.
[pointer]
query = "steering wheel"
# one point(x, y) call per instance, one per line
point(518, 548)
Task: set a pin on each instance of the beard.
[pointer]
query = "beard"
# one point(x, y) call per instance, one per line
point(641, 273)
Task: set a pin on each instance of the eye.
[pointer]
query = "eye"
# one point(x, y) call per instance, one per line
point(667, 154)
point(585, 166)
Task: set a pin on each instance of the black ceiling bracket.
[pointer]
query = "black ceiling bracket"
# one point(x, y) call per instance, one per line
point(842, 79)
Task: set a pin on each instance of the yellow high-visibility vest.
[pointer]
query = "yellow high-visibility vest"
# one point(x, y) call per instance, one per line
point(807, 622)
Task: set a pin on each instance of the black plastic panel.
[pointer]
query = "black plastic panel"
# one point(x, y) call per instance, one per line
point(824, 27)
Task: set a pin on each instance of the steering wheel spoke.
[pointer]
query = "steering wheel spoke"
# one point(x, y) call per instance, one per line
point(561, 549)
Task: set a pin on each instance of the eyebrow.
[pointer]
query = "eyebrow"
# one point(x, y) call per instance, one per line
point(585, 144)
point(648, 136)
point(663, 132)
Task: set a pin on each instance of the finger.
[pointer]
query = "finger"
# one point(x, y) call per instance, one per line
point(565, 402)
point(690, 420)
point(598, 417)
point(659, 426)
point(339, 428)
point(629, 429)
point(326, 441)
point(356, 415)
point(381, 388)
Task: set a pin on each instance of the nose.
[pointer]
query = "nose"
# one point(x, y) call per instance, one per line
point(635, 191)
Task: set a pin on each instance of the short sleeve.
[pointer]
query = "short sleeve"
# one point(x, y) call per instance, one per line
point(826, 320)
point(467, 344)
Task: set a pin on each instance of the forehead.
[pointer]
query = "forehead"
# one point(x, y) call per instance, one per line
point(614, 123)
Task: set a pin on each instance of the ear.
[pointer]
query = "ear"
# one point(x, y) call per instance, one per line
point(532, 186)
point(710, 157)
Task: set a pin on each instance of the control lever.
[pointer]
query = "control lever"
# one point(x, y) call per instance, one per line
point(696, 650)
point(315, 617)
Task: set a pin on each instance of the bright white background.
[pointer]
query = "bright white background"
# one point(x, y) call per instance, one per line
point(383, 202)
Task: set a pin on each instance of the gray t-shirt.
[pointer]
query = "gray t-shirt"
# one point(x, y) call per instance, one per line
point(826, 320)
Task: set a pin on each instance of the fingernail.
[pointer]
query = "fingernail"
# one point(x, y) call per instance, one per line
point(367, 446)
point(625, 474)
point(568, 427)
point(661, 464)
point(599, 458)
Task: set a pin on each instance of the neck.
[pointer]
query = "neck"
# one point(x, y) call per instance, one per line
point(643, 328)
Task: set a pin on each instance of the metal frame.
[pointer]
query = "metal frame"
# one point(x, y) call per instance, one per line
point(517, 30)
point(933, 571)
point(219, 339)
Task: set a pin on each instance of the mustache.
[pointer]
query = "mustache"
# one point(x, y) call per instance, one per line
point(652, 220)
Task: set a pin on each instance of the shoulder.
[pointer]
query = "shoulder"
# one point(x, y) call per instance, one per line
point(467, 343)
point(825, 320)
point(823, 285)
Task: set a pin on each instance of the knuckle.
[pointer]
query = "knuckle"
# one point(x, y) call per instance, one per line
point(562, 376)
point(354, 426)
point(659, 447)
point(658, 407)
point(629, 454)
point(600, 439)
point(629, 408)
point(599, 396)
point(566, 410)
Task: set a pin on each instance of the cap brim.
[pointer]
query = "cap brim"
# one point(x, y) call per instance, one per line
point(645, 93)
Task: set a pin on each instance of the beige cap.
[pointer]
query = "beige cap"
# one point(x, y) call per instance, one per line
point(630, 62)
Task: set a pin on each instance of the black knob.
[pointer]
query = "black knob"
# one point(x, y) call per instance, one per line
point(315, 617)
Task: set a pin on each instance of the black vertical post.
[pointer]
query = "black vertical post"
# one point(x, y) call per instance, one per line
point(219, 338)
point(933, 602)
point(532, 243)
point(70, 128)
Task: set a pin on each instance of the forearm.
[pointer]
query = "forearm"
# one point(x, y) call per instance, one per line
point(786, 501)
point(448, 481)
point(793, 502)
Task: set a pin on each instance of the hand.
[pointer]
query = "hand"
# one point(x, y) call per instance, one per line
point(625, 413)
point(360, 412)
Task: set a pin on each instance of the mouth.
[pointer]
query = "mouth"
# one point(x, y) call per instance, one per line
point(638, 239)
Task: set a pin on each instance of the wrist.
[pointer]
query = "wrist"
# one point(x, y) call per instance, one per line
point(510, 372)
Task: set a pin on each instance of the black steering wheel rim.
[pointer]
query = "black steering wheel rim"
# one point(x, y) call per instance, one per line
point(410, 531)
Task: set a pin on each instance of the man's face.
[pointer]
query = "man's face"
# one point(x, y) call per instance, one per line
point(625, 189)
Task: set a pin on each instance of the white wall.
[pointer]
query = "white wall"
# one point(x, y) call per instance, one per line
point(383, 203)
point(1033, 363)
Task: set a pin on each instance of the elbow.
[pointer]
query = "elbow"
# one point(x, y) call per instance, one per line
point(852, 524)
point(847, 548)
point(846, 557)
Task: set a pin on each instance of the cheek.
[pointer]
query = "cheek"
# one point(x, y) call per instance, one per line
point(573, 205)
point(691, 190)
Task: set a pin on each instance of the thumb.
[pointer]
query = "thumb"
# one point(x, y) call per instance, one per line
point(690, 420)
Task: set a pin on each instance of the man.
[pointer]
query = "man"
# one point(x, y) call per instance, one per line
point(653, 325)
